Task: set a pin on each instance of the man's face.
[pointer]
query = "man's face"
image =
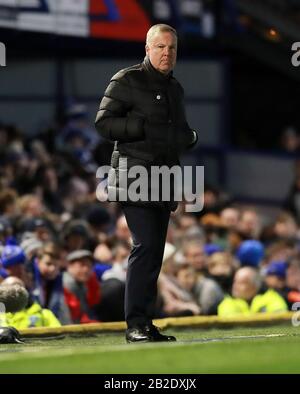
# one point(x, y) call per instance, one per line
point(243, 286)
point(81, 269)
point(230, 217)
point(49, 266)
point(249, 223)
point(196, 257)
point(162, 52)
point(187, 278)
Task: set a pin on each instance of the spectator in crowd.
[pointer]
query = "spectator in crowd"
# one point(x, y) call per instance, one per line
point(75, 234)
point(250, 253)
point(6, 232)
point(246, 298)
point(230, 217)
point(208, 294)
point(99, 220)
point(48, 284)
point(77, 119)
point(250, 224)
point(113, 283)
point(103, 254)
point(122, 230)
point(31, 206)
point(221, 267)
point(234, 240)
point(214, 201)
point(112, 277)
point(13, 295)
point(185, 222)
point(8, 203)
point(33, 315)
point(293, 281)
point(120, 254)
point(38, 227)
point(285, 227)
point(214, 231)
point(194, 254)
point(31, 245)
point(81, 287)
point(47, 185)
point(168, 263)
point(175, 297)
point(14, 298)
point(281, 250)
point(275, 277)
point(13, 262)
point(205, 292)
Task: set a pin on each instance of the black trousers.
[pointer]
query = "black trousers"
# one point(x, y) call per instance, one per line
point(148, 227)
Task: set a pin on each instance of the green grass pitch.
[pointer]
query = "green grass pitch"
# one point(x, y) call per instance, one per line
point(240, 350)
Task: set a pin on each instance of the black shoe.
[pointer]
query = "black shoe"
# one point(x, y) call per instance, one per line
point(9, 335)
point(147, 333)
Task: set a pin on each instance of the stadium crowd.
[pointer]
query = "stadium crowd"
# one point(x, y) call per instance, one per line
point(70, 251)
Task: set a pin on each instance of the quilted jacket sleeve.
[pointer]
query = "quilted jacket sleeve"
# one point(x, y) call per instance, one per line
point(112, 121)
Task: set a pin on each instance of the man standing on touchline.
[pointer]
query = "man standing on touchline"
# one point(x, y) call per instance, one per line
point(143, 112)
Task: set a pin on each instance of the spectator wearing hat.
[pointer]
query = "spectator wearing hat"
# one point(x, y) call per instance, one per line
point(275, 276)
point(212, 248)
point(99, 220)
point(75, 235)
point(38, 227)
point(47, 282)
point(250, 253)
point(13, 261)
point(81, 287)
point(246, 297)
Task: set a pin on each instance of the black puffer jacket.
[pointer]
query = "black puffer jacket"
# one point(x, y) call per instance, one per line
point(143, 111)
